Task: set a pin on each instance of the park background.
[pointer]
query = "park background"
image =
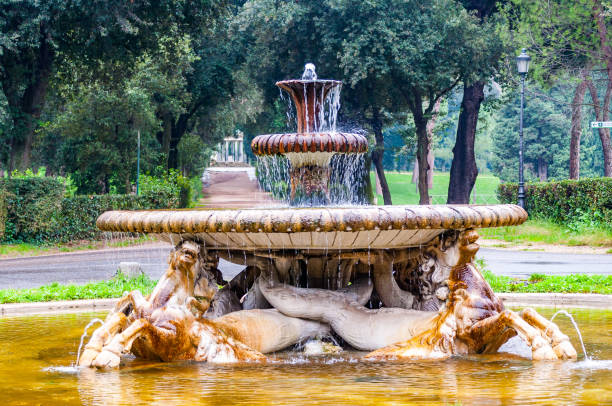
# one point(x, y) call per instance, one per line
point(433, 81)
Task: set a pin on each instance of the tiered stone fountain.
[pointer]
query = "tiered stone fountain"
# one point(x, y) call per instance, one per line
point(395, 279)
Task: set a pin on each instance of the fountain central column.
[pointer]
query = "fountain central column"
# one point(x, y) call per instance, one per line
point(311, 149)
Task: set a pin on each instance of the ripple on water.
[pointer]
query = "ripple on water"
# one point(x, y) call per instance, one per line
point(592, 364)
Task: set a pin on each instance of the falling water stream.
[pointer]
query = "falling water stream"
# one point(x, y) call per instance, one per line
point(91, 323)
point(569, 316)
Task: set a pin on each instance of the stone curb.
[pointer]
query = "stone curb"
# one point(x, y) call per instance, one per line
point(64, 306)
point(593, 300)
point(589, 300)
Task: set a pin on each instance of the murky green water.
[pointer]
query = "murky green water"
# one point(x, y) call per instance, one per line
point(35, 351)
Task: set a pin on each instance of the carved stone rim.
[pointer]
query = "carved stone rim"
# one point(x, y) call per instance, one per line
point(328, 219)
point(271, 144)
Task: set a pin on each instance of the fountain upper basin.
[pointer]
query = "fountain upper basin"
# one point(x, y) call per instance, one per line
point(339, 228)
point(271, 144)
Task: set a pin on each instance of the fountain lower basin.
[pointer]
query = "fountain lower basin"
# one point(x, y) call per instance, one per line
point(38, 350)
point(325, 228)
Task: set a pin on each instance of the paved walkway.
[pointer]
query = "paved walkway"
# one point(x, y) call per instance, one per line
point(233, 188)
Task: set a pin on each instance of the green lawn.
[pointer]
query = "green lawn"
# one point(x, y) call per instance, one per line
point(539, 283)
point(546, 232)
point(405, 192)
point(94, 290)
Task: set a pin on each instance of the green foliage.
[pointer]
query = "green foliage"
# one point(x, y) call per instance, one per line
point(561, 34)
point(3, 212)
point(578, 202)
point(173, 186)
point(39, 38)
point(114, 287)
point(41, 172)
point(194, 155)
point(98, 128)
point(196, 188)
point(79, 214)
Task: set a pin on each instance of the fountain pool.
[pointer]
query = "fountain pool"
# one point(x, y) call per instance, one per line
point(36, 353)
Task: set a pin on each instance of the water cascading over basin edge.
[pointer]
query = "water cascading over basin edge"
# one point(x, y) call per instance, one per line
point(395, 280)
point(311, 149)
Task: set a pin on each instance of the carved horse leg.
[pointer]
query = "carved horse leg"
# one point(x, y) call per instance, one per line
point(114, 323)
point(213, 345)
point(549, 330)
point(169, 343)
point(492, 328)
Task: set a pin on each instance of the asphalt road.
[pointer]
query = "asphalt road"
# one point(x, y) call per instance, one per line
point(82, 267)
point(525, 263)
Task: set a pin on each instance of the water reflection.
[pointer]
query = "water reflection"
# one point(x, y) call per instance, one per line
point(36, 352)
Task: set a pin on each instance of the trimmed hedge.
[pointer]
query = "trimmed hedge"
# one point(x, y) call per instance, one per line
point(566, 200)
point(80, 213)
point(34, 209)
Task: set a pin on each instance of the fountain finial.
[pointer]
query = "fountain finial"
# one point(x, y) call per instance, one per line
point(309, 72)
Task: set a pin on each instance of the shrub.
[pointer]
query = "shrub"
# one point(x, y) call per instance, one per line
point(171, 185)
point(35, 209)
point(33, 206)
point(568, 201)
point(79, 213)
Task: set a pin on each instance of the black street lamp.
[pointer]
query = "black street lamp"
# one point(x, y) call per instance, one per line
point(522, 63)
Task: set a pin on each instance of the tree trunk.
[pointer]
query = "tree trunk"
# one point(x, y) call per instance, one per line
point(377, 158)
point(576, 130)
point(34, 96)
point(604, 112)
point(368, 193)
point(415, 104)
point(604, 133)
point(464, 171)
point(165, 135)
point(178, 130)
point(430, 134)
point(423, 146)
point(604, 136)
point(542, 170)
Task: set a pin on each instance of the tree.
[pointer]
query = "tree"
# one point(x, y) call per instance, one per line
point(393, 55)
point(98, 131)
point(546, 143)
point(570, 37)
point(464, 170)
point(36, 35)
point(427, 61)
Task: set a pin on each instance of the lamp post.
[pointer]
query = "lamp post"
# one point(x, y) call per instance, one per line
point(522, 63)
